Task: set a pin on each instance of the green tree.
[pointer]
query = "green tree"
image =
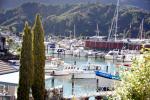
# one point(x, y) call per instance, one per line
point(135, 84)
point(38, 87)
point(26, 65)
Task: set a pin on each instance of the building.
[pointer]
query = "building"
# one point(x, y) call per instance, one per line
point(103, 44)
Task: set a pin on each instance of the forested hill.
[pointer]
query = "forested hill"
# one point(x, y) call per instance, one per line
point(58, 19)
point(9, 4)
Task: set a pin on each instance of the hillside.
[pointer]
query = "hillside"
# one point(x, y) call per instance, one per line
point(61, 19)
point(9, 4)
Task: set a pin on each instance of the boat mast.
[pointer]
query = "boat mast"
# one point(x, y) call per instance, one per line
point(116, 28)
point(74, 31)
point(110, 31)
point(141, 29)
point(114, 22)
point(128, 32)
point(97, 30)
point(70, 34)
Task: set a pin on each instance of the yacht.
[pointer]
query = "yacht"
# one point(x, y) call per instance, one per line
point(80, 52)
point(66, 69)
point(88, 72)
point(128, 55)
point(112, 55)
point(92, 53)
point(53, 64)
point(59, 51)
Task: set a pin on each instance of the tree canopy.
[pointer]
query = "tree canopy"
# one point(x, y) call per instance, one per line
point(135, 84)
point(26, 65)
point(38, 88)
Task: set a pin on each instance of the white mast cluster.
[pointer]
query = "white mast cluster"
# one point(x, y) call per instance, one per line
point(114, 24)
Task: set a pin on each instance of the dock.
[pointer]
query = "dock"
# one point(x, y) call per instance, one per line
point(97, 95)
point(56, 93)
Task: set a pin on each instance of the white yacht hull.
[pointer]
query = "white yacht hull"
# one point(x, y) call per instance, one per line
point(80, 54)
point(110, 57)
point(125, 60)
point(85, 75)
point(59, 73)
point(128, 57)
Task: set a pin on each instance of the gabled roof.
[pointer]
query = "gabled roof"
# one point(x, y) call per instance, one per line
point(13, 78)
point(6, 68)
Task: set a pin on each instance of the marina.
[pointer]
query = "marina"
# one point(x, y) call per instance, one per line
point(81, 72)
point(80, 86)
point(77, 87)
point(82, 50)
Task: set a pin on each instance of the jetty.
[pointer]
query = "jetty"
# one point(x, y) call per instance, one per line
point(56, 93)
point(97, 95)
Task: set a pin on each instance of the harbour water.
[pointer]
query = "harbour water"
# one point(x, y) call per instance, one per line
point(81, 86)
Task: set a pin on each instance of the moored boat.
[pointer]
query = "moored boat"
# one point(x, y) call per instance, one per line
point(88, 72)
point(112, 55)
point(85, 75)
point(106, 80)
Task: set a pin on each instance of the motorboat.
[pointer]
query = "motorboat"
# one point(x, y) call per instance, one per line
point(59, 51)
point(128, 55)
point(112, 55)
point(92, 53)
point(53, 64)
point(80, 52)
point(66, 69)
point(88, 72)
point(106, 79)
